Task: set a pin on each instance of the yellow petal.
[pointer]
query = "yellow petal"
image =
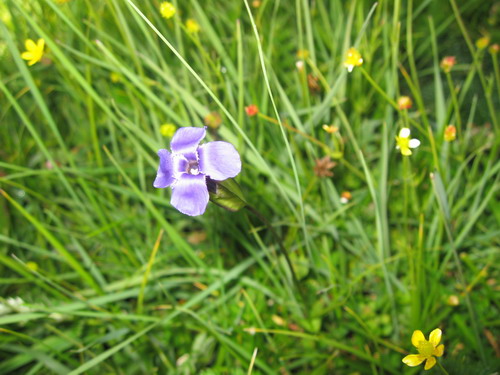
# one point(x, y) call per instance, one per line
point(438, 352)
point(413, 360)
point(29, 44)
point(32, 62)
point(407, 152)
point(431, 361)
point(41, 44)
point(435, 337)
point(26, 55)
point(417, 335)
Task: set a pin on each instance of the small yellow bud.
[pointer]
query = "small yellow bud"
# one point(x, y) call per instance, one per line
point(483, 42)
point(114, 77)
point(453, 300)
point(167, 10)
point(404, 102)
point(213, 120)
point(450, 133)
point(278, 320)
point(32, 266)
point(494, 49)
point(302, 54)
point(447, 63)
point(192, 26)
point(330, 129)
point(168, 130)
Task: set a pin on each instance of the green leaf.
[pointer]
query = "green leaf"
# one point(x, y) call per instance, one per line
point(227, 194)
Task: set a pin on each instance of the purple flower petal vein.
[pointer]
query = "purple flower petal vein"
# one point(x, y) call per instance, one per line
point(185, 168)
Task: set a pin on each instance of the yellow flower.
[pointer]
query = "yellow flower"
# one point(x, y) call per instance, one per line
point(330, 128)
point(450, 133)
point(426, 349)
point(192, 26)
point(32, 266)
point(168, 130)
point(404, 102)
point(483, 42)
point(353, 59)
point(494, 49)
point(345, 197)
point(213, 120)
point(278, 320)
point(453, 300)
point(167, 10)
point(5, 15)
point(115, 77)
point(302, 54)
point(447, 63)
point(404, 143)
point(62, 1)
point(34, 51)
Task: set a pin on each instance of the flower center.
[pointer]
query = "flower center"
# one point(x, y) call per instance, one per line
point(425, 348)
point(403, 143)
point(193, 168)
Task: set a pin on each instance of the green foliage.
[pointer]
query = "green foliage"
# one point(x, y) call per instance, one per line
point(113, 280)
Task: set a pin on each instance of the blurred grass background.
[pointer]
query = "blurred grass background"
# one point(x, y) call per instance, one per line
point(113, 280)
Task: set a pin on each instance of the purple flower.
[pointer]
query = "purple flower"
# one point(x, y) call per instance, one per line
point(186, 168)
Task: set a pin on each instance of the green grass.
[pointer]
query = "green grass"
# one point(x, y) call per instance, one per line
point(116, 281)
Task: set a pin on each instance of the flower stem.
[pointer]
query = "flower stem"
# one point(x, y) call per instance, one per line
point(455, 104)
point(420, 104)
point(477, 62)
point(442, 368)
point(375, 85)
point(281, 247)
point(377, 88)
point(460, 274)
point(315, 141)
point(291, 128)
point(496, 70)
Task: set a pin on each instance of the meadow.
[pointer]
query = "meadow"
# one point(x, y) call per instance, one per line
point(352, 229)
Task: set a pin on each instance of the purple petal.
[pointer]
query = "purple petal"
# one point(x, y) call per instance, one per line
point(186, 139)
point(179, 164)
point(190, 194)
point(219, 160)
point(164, 176)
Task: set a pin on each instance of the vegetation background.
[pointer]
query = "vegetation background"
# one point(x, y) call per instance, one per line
point(111, 279)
